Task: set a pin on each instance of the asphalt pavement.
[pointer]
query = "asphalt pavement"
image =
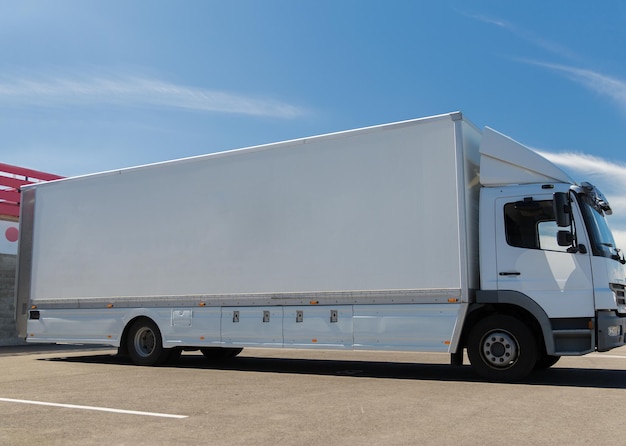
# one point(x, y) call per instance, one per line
point(61, 395)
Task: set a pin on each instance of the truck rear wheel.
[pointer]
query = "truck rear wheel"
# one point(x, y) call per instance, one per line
point(145, 345)
point(220, 353)
point(502, 348)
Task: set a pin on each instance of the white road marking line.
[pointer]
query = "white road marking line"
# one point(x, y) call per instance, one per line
point(101, 409)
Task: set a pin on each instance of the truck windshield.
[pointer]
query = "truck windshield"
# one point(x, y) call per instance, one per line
point(602, 242)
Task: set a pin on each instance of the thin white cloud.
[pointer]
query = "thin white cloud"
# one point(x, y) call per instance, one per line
point(526, 35)
point(590, 165)
point(607, 86)
point(130, 91)
point(611, 87)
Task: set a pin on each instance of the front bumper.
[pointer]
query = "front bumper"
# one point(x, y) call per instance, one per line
point(610, 330)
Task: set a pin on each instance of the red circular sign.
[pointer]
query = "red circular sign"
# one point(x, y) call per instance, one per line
point(12, 234)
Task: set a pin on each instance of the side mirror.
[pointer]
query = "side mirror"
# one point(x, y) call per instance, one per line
point(562, 211)
point(564, 238)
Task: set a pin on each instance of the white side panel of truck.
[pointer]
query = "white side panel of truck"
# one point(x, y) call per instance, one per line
point(381, 208)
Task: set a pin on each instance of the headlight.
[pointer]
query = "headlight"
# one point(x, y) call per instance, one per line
point(614, 330)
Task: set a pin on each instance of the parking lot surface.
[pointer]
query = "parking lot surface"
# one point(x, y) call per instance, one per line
point(65, 396)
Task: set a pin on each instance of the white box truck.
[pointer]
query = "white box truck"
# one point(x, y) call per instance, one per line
point(426, 235)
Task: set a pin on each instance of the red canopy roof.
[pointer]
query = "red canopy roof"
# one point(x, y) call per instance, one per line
point(11, 179)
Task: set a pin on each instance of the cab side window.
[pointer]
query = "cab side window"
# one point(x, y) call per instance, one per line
point(530, 224)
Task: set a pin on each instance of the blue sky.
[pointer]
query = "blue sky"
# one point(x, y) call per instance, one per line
point(87, 86)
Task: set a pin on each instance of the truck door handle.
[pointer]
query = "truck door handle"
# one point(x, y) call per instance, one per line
point(510, 273)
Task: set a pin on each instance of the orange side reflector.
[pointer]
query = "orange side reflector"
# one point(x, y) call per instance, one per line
point(453, 299)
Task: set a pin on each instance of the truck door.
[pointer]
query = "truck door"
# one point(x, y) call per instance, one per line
point(529, 259)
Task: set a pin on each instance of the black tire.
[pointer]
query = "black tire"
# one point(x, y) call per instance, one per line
point(546, 361)
point(174, 355)
point(220, 353)
point(145, 345)
point(501, 348)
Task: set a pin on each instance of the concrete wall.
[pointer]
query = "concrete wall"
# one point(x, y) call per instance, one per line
point(8, 334)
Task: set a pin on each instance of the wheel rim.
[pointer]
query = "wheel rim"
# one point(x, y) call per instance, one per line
point(145, 342)
point(499, 349)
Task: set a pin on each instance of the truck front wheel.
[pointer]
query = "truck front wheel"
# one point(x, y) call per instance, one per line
point(145, 345)
point(546, 361)
point(502, 348)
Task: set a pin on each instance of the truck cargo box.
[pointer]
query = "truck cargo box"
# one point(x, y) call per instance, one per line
point(386, 212)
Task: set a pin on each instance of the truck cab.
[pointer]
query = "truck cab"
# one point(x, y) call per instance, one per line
point(547, 258)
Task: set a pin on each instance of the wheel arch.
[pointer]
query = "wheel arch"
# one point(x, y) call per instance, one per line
point(123, 348)
point(512, 303)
